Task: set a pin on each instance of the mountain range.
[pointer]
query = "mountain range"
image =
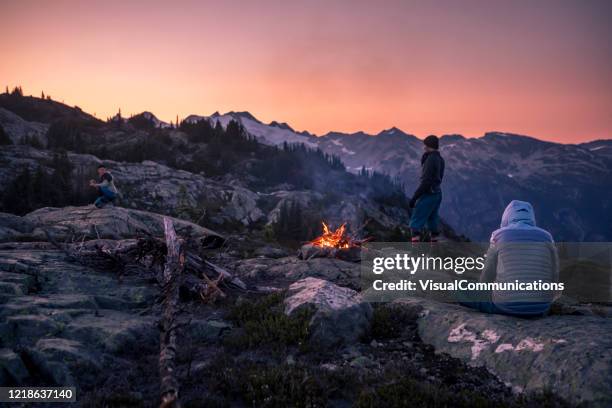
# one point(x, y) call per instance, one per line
point(568, 184)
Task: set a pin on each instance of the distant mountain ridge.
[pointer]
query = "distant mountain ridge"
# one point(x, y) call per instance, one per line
point(570, 185)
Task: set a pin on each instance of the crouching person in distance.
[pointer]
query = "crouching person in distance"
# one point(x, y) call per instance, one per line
point(106, 187)
point(518, 251)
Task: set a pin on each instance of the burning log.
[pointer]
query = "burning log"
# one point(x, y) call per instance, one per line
point(173, 272)
point(333, 244)
point(337, 239)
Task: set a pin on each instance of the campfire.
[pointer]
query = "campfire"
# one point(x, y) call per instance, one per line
point(333, 239)
point(333, 244)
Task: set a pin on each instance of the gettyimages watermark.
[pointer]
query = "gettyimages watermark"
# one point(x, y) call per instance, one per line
point(468, 271)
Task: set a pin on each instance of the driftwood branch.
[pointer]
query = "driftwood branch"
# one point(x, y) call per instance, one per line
point(172, 277)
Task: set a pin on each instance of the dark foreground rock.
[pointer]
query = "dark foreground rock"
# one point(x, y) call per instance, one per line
point(312, 338)
point(310, 251)
point(569, 355)
point(64, 324)
point(110, 222)
point(339, 315)
point(334, 270)
point(89, 223)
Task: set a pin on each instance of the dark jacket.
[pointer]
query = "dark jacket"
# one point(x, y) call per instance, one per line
point(432, 172)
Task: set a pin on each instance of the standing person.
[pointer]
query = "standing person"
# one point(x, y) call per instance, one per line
point(106, 187)
point(425, 202)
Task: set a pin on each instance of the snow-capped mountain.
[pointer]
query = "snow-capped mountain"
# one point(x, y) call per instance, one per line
point(149, 119)
point(600, 146)
point(156, 122)
point(570, 186)
point(273, 134)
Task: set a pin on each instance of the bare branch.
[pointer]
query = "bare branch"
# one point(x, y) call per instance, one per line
point(172, 277)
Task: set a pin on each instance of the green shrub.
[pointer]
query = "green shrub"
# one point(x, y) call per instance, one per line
point(390, 322)
point(411, 393)
point(262, 322)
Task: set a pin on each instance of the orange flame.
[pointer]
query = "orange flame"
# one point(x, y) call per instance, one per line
point(333, 239)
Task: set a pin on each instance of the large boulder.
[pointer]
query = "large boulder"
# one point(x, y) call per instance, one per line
point(111, 222)
point(569, 355)
point(242, 206)
point(339, 315)
point(13, 227)
point(334, 270)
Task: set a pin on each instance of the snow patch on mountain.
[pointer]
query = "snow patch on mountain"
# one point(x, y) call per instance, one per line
point(156, 122)
point(392, 131)
point(282, 125)
point(273, 134)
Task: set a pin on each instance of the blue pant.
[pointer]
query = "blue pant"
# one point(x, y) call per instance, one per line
point(106, 196)
point(482, 302)
point(425, 213)
point(540, 308)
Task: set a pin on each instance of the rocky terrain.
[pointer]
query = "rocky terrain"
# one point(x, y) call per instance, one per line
point(568, 184)
point(83, 296)
point(220, 177)
point(300, 334)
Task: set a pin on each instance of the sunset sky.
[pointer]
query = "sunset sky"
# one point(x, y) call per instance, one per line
point(541, 68)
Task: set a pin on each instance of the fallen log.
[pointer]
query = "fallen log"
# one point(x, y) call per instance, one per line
point(172, 278)
point(199, 265)
point(108, 255)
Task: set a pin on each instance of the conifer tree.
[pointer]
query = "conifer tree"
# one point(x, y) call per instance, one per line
point(4, 138)
point(62, 172)
point(218, 129)
point(18, 196)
